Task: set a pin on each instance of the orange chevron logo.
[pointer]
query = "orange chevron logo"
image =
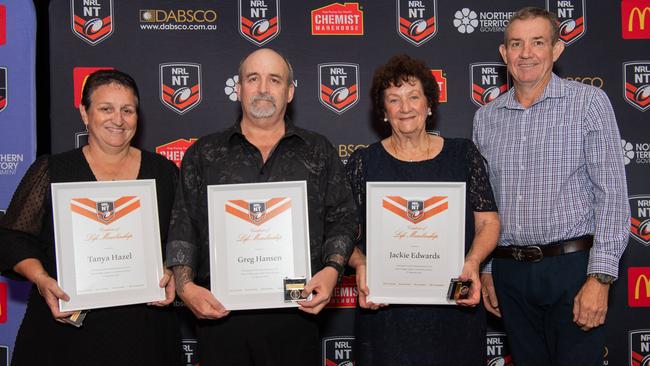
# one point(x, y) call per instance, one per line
point(105, 212)
point(260, 211)
point(415, 211)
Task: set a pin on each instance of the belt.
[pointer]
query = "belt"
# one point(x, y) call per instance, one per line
point(535, 253)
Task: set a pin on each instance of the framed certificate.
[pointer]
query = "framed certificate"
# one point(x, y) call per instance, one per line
point(107, 243)
point(259, 238)
point(415, 237)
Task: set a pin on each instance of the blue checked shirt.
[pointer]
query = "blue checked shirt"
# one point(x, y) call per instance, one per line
point(557, 170)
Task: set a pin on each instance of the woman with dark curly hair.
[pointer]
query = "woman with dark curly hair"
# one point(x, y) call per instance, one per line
point(405, 95)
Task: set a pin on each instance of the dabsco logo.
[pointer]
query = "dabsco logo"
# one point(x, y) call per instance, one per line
point(487, 81)
point(635, 19)
point(498, 353)
point(337, 20)
point(92, 20)
point(640, 216)
point(572, 17)
point(417, 20)
point(259, 20)
point(180, 86)
point(338, 85)
point(636, 84)
point(638, 286)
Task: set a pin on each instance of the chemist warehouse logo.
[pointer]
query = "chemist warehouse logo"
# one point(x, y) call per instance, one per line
point(640, 217)
point(338, 86)
point(4, 91)
point(175, 150)
point(338, 351)
point(488, 81)
point(498, 353)
point(639, 347)
point(337, 20)
point(415, 210)
point(259, 20)
point(180, 86)
point(417, 20)
point(636, 84)
point(572, 17)
point(92, 20)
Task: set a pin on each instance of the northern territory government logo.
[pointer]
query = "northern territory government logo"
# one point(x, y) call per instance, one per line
point(105, 211)
point(338, 351)
point(635, 19)
point(4, 91)
point(487, 81)
point(415, 210)
point(572, 17)
point(417, 20)
point(92, 20)
point(636, 84)
point(180, 86)
point(640, 216)
point(498, 353)
point(259, 211)
point(639, 347)
point(259, 20)
point(337, 20)
point(338, 85)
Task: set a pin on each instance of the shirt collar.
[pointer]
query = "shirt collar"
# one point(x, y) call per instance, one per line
point(554, 89)
point(289, 130)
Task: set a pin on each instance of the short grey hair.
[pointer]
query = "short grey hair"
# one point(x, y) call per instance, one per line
point(535, 12)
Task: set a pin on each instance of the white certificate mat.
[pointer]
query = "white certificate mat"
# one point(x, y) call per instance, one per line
point(415, 237)
point(259, 235)
point(107, 241)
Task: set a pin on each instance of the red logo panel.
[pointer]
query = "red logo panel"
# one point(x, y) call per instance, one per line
point(635, 19)
point(337, 20)
point(3, 302)
point(79, 76)
point(3, 24)
point(638, 286)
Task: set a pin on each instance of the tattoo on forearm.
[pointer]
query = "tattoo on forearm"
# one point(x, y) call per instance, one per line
point(182, 276)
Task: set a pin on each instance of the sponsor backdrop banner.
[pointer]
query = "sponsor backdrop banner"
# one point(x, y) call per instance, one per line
point(17, 137)
point(185, 55)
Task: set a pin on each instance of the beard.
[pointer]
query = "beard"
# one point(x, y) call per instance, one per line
point(259, 106)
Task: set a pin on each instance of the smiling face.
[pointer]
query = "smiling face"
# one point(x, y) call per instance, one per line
point(406, 107)
point(530, 53)
point(111, 117)
point(264, 88)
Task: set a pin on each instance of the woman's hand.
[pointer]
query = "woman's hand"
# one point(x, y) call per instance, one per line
point(470, 273)
point(166, 282)
point(51, 292)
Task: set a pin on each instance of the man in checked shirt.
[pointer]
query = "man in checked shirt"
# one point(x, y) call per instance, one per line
point(555, 163)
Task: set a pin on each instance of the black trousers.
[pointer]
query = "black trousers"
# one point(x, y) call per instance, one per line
point(536, 301)
point(259, 338)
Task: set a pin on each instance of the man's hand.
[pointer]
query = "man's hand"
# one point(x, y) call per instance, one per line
point(489, 295)
point(322, 283)
point(51, 292)
point(590, 304)
point(198, 299)
point(201, 301)
point(470, 272)
point(167, 282)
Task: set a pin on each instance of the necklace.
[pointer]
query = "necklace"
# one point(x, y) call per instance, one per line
point(397, 154)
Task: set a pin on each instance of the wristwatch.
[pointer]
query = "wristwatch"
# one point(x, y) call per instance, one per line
point(605, 279)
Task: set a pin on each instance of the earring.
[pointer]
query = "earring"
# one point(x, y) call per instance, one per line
point(86, 126)
point(385, 119)
point(430, 112)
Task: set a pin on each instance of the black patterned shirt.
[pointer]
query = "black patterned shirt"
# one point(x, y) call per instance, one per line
point(227, 157)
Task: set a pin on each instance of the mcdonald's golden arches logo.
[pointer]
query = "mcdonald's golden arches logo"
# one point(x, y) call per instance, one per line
point(638, 284)
point(635, 19)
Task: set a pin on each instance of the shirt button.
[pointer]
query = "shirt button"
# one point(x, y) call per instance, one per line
point(523, 138)
point(519, 198)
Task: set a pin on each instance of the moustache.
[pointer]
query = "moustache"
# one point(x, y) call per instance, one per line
point(263, 97)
